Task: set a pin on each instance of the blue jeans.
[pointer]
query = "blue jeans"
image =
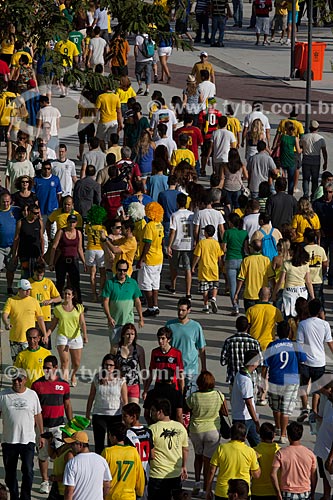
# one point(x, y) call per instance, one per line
point(233, 198)
point(11, 454)
point(218, 23)
point(290, 172)
point(252, 436)
point(238, 11)
point(310, 172)
point(232, 268)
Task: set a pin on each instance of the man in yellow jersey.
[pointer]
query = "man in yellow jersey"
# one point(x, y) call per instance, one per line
point(110, 117)
point(19, 314)
point(128, 478)
point(183, 153)
point(124, 248)
point(60, 215)
point(32, 358)
point(71, 53)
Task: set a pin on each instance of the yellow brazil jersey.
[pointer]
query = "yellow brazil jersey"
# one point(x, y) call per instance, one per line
point(139, 227)
point(182, 154)
point(32, 361)
point(263, 485)
point(281, 7)
point(67, 48)
point(60, 218)
point(93, 235)
point(14, 62)
point(263, 318)
point(116, 150)
point(107, 104)
point(154, 234)
point(128, 478)
point(299, 223)
point(7, 47)
point(234, 125)
point(209, 251)
point(124, 95)
point(256, 270)
point(8, 107)
point(42, 290)
point(23, 314)
point(128, 248)
point(299, 129)
point(234, 459)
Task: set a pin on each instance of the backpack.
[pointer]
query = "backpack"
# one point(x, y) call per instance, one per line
point(269, 248)
point(148, 47)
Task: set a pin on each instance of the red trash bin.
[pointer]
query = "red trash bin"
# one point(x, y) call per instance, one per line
point(301, 59)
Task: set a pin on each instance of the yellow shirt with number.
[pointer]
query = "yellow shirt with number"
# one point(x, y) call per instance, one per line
point(32, 361)
point(23, 314)
point(154, 234)
point(234, 459)
point(128, 248)
point(60, 218)
point(209, 251)
point(42, 290)
point(300, 223)
point(256, 270)
point(128, 478)
point(67, 48)
point(263, 318)
point(182, 155)
point(93, 236)
point(107, 104)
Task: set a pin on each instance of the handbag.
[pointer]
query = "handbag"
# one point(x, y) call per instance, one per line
point(225, 427)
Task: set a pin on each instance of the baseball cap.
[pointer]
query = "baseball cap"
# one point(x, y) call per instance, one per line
point(32, 83)
point(314, 124)
point(24, 284)
point(204, 54)
point(80, 436)
point(19, 372)
point(72, 218)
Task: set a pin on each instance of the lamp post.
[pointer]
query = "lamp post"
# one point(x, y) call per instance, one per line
point(309, 70)
point(292, 47)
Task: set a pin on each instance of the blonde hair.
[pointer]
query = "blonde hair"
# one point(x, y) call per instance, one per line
point(191, 88)
point(144, 143)
point(283, 247)
point(305, 208)
point(256, 131)
point(124, 83)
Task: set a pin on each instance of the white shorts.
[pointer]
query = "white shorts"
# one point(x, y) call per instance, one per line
point(165, 51)
point(104, 130)
point(149, 277)
point(94, 258)
point(76, 343)
point(290, 295)
point(57, 434)
point(262, 25)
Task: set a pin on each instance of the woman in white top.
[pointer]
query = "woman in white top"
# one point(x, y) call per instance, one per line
point(108, 391)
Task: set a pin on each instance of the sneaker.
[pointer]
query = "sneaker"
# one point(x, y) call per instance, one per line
point(303, 415)
point(44, 487)
point(155, 79)
point(262, 402)
point(272, 40)
point(140, 91)
point(148, 313)
point(146, 93)
point(283, 440)
point(266, 42)
point(205, 309)
point(170, 289)
point(196, 489)
point(156, 311)
point(288, 43)
point(214, 305)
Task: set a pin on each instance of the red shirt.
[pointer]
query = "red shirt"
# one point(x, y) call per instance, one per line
point(52, 395)
point(195, 139)
point(263, 7)
point(4, 68)
point(213, 115)
point(171, 359)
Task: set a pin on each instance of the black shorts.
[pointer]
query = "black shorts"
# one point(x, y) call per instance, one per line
point(119, 70)
point(87, 132)
point(163, 489)
point(312, 373)
point(205, 147)
point(321, 469)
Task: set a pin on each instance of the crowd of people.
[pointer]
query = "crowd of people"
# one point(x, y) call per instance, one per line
point(142, 207)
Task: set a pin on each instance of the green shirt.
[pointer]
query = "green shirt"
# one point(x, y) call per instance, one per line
point(121, 299)
point(76, 37)
point(287, 151)
point(205, 407)
point(234, 239)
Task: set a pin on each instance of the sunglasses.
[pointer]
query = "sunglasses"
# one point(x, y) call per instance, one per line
point(122, 270)
point(24, 182)
point(107, 365)
point(46, 168)
point(35, 213)
point(117, 227)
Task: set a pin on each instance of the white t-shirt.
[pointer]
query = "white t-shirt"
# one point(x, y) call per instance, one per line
point(50, 114)
point(65, 171)
point(138, 43)
point(102, 18)
point(312, 333)
point(222, 140)
point(87, 472)
point(254, 116)
point(324, 436)
point(166, 116)
point(18, 412)
point(242, 389)
point(182, 222)
point(207, 89)
point(208, 216)
point(97, 45)
point(169, 143)
point(17, 168)
point(312, 144)
point(251, 224)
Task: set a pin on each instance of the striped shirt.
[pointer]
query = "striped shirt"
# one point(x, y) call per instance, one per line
point(233, 351)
